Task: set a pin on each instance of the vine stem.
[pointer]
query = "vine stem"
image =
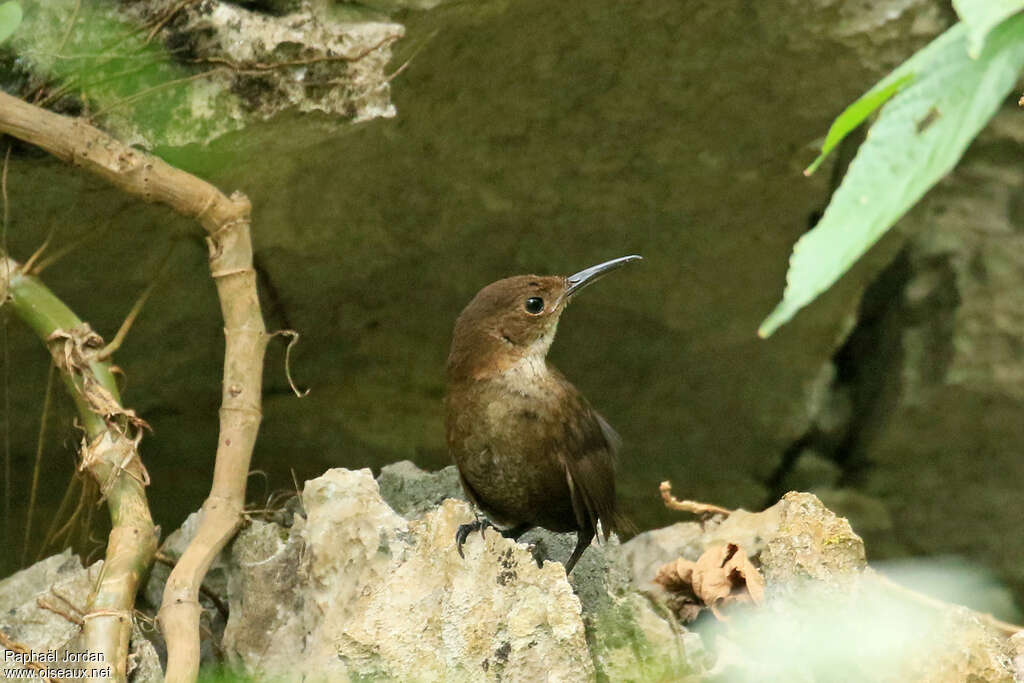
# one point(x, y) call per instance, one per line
point(227, 223)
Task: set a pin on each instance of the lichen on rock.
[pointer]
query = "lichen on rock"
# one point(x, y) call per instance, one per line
point(163, 73)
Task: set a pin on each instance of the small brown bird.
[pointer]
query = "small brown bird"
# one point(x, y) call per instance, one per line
point(529, 448)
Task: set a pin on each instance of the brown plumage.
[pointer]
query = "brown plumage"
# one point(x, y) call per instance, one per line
point(529, 448)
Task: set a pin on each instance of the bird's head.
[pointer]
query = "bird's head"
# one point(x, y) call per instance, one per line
point(516, 318)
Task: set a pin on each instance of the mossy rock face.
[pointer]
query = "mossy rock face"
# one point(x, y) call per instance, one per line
point(159, 74)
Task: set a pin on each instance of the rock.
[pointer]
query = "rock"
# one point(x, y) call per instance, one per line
point(411, 491)
point(266, 605)
point(354, 591)
point(955, 580)
point(881, 33)
point(61, 581)
point(143, 659)
point(870, 632)
point(826, 611)
point(1017, 646)
point(866, 513)
point(625, 636)
point(367, 593)
point(942, 431)
point(24, 621)
point(297, 56)
point(810, 542)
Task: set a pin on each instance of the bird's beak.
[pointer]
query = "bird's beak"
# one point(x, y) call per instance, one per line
point(578, 281)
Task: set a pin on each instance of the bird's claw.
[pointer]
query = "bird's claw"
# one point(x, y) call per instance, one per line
point(464, 530)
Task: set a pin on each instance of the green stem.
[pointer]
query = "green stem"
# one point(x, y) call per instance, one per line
point(41, 310)
point(122, 479)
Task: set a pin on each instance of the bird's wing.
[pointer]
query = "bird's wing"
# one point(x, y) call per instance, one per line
point(587, 449)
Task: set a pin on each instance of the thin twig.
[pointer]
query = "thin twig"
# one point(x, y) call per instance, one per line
point(66, 600)
point(67, 528)
point(51, 531)
point(54, 94)
point(273, 66)
point(7, 364)
point(37, 95)
point(42, 603)
point(27, 266)
point(71, 26)
point(293, 339)
point(1004, 627)
point(39, 460)
point(167, 17)
point(697, 508)
point(142, 93)
point(399, 70)
point(60, 252)
point(415, 53)
point(129, 320)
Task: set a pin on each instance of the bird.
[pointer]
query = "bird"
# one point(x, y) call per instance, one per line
point(529, 448)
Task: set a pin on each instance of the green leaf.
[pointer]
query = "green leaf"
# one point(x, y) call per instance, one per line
point(919, 136)
point(981, 16)
point(886, 88)
point(10, 19)
point(853, 115)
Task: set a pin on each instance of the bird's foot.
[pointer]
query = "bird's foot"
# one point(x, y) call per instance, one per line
point(538, 551)
point(464, 530)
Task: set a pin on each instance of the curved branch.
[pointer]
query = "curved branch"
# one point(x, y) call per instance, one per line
point(109, 453)
point(226, 220)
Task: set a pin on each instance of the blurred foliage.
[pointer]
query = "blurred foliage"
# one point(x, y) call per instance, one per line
point(981, 16)
point(10, 19)
point(116, 69)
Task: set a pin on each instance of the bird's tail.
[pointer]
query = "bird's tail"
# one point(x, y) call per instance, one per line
point(622, 525)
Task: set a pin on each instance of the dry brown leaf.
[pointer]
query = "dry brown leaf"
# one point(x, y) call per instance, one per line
point(676, 576)
point(723, 574)
point(720, 576)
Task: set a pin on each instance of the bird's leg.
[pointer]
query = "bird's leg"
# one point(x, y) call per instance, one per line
point(583, 539)
point(464, 530)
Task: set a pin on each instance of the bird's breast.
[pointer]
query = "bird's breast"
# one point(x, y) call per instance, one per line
point(500, 433)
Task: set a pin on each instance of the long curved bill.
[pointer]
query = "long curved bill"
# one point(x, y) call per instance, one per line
point(578, 281)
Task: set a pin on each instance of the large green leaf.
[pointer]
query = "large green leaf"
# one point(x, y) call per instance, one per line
point(10, 19)
point(981, 16)
point(919, 136)
point(867, 103)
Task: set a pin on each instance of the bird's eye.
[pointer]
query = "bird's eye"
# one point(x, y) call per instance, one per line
point(534, 305)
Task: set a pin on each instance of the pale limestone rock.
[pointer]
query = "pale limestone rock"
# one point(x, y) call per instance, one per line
point(627, 638)
point(358, 591)
point(302, 56)
point(827, 615)
point(24, 621)
point(810, 542)
point(60, 581)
